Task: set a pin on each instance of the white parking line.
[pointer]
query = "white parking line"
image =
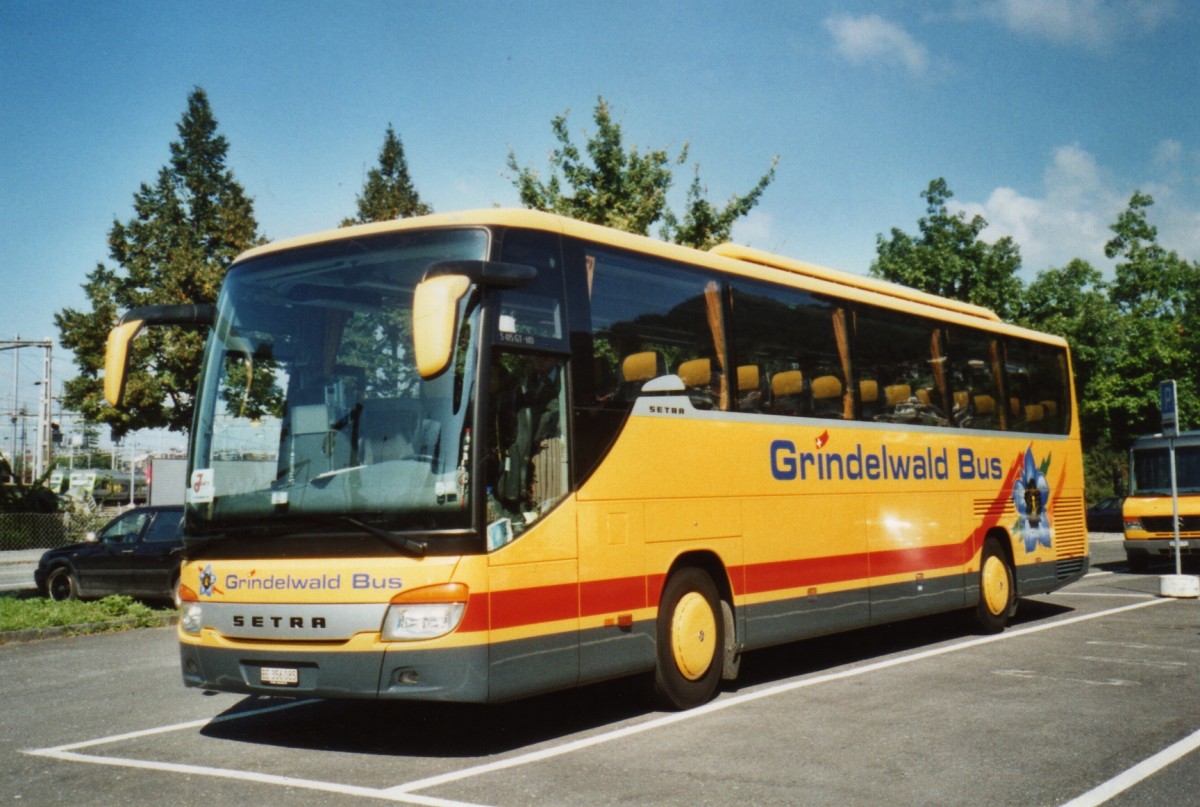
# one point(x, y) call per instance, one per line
point(1143, 770)
point(406, 792)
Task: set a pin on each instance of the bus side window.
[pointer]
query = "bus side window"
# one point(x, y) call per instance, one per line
point(973, 374)
point(650, 318)
point(797, 349)
point(900, 363)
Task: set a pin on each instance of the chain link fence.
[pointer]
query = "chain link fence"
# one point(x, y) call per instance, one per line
point(46, 530)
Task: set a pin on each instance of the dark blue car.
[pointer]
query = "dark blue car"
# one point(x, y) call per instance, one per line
point(137, 553)
point(1105, 516)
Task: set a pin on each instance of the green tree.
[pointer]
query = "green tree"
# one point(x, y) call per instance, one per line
point(1156, 292)
point(186, 229)
point(379, 343)
point(949, 259)
point(626, 190)
point(388, 192)
point(705, 225)
point(1073, 302)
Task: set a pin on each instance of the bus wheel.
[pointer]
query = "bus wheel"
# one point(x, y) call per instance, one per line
point(61, 585)
point(690, 645)
point(996, 594)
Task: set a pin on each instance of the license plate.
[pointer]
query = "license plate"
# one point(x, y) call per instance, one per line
point(280, 676)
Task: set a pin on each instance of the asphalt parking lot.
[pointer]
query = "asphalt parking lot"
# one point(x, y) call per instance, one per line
point(1092, 697)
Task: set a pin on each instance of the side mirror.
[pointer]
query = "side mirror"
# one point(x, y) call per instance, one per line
point(116, 354)
point(436, 302)
point(435, 321)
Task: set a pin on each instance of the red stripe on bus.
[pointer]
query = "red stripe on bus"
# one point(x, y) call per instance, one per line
point(611, 596)
point(530, 606)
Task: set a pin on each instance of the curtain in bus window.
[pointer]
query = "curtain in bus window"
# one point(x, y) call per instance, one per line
point(794, 345)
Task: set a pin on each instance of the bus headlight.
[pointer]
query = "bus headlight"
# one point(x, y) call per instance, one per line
point(425, 613)
point(191, 612)
point(1133, 524)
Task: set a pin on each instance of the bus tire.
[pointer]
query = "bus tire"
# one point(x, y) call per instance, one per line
point(997, 595)
point(690, 641)
point(61, 585)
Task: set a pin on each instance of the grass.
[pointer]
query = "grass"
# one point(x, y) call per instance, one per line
point(97, 616)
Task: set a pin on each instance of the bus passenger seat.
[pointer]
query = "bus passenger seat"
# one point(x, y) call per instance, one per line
point(636, 370)
point(827, 396)
point(897, 394)
point(749, 388)
point(868, 395)
point(697, 376)
point(787, 392)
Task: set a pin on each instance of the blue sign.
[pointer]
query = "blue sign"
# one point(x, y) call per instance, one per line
point(1166, 401)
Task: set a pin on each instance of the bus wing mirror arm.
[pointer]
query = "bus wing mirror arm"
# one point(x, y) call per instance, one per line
point(116, 354)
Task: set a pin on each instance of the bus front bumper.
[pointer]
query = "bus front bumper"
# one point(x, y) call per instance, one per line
point(1162, 546)
point(449, 674)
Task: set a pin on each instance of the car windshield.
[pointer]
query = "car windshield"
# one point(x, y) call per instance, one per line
point(1152, 470)
point(310, 402)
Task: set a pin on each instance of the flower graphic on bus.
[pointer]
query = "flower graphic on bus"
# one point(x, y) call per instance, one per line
point(1031, 496)
point(207, 579)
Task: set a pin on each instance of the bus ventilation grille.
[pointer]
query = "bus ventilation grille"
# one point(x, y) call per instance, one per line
point(1070, 530)
point(1000, 512)
point(1164, 526)
point(1066, 569)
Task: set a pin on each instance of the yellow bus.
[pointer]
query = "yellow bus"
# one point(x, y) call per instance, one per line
point(476, 456)
point(1148, 512)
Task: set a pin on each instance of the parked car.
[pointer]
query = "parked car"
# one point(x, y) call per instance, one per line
point(1105, 516)
point(137, 553)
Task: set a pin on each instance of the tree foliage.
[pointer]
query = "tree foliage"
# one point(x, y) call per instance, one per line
point(381, 342)
point(186, 229)
point(1156, 295)
point(627, 189)
point(948, 257)
point(388, 192)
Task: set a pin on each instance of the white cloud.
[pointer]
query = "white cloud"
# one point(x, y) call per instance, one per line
point(1094, 24)
point(756, 228)
point(1081, 201)
point(872, 39)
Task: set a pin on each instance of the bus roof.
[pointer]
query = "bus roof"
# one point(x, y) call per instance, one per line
point(723, 257)
point(1191, 438)
point(762, 258)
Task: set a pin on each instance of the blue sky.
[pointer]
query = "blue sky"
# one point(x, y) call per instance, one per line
point(1042, 115)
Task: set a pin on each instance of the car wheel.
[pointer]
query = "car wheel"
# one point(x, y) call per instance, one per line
point(61, 585)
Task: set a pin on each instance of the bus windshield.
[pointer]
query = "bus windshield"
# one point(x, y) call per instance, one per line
point(1152, 471)
point(310, 402)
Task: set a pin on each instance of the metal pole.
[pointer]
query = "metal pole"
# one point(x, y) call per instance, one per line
point(16, 407)
point(1175, 506)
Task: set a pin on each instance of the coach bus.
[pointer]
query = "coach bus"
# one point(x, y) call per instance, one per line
point(1148, 512)
point(477, 456)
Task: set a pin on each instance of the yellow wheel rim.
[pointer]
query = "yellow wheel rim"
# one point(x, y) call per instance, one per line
point(693, 636)
point(995, 585)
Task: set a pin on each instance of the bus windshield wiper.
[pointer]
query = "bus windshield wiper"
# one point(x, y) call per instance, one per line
point(406, 545)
